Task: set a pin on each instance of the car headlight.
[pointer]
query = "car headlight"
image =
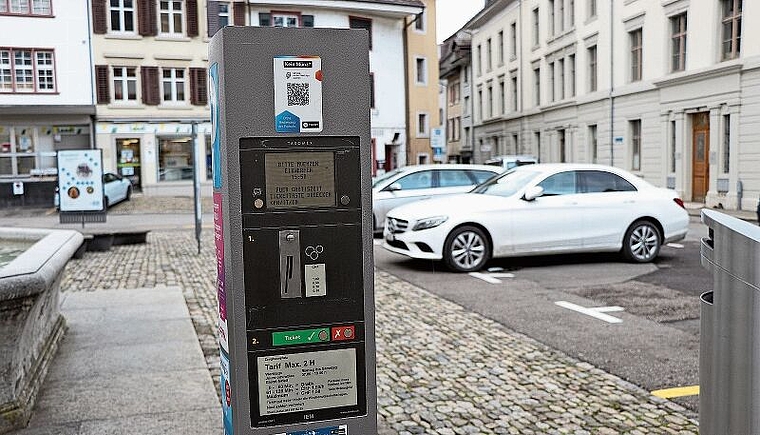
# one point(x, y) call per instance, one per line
point(424, 224)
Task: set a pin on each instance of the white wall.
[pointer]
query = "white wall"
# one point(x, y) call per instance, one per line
point(386, 60)
point(67, 33)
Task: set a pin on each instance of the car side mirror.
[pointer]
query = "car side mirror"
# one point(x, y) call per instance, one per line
point(393, 187)
point(533, 192)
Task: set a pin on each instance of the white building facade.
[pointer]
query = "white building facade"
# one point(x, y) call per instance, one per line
point(663, 88)
point(46, 98)
point(384, 20)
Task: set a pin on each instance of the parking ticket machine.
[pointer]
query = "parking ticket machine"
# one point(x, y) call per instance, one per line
point(291, 157)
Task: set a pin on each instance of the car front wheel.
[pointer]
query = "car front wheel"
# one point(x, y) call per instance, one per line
point(466, 249)
point(129, 193)
point(642, 242)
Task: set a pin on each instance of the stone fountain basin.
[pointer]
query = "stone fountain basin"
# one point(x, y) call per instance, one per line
point(31, 325)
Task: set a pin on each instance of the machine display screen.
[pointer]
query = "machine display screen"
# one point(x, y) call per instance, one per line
point(300, 179)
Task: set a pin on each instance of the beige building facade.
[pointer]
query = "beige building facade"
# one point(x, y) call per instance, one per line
point(422, 86)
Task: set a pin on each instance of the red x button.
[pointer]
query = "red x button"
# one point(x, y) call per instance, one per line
point(343, 333)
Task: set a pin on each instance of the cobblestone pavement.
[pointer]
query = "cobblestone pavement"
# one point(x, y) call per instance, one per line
point(441, 369)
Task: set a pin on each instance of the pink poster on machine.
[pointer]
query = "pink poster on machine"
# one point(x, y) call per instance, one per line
point(220, 283)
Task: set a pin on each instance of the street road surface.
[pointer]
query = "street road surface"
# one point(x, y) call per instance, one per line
point(655, 346)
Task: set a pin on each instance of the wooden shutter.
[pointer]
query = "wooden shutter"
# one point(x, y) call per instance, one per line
point(198, 87)
point(238, 10)
point(307, 20)
point(102, 85)
point(212, 17)
point(99, 18)
point(265, 19)
point(192, 17)
point(147, 17)
point(151, 92)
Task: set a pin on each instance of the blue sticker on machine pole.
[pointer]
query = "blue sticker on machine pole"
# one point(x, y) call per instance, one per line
point(226, 390)
point(216, 149)
point(298, 94)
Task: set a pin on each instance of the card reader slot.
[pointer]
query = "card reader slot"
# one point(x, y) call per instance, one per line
point(290, 264)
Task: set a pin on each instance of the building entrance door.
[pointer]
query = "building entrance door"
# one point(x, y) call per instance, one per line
point(128, 161)
point(700, 166)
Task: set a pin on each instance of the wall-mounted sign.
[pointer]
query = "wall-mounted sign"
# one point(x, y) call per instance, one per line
point(80, 180)
point(18, 188)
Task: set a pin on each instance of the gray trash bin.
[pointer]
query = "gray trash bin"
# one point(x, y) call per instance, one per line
point(729, 369)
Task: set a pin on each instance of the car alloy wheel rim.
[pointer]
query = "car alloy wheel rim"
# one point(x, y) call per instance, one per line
point(468, 250)
point(643, 243)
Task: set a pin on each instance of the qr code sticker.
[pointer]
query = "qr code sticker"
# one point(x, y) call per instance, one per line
point(298, 94)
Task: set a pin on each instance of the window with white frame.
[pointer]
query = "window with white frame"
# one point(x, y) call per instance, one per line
point(224, 14)
point(636, 54)
point(284, 20)
point(489, 107)
point(513, 40)
point(423, 125)
point(592, 69)
point(635, 128)
point(489, 56)
point(26, 7)
point(536, 34)
point(591, 9)
point(502, 96)
point(173, 85)
point(27, 70)
point(552, 84)
point(593, 143)
point(678, 42)
point(732, 28)
point(513, 90)
point(171, 17)
point(124, 84)
point(552, 28)
point(537, 86)
point(480, 60)
point(672, 147)
point(571, 67)
point(501, 48)
point(121, 16)
point(726, 144)
point(45, 71)
point(421, 71)
point(571, 13)
point(561, 75)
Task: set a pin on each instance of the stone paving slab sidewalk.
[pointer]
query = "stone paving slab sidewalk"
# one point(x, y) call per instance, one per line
point(441, 369)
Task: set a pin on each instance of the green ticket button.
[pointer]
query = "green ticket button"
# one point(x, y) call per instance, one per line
point(303, 336)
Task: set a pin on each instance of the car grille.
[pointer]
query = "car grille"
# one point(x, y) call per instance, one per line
point(396, 226)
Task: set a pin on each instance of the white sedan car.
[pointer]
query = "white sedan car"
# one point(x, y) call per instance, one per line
point(540, 209)
point(116, 188)
point(416, 182)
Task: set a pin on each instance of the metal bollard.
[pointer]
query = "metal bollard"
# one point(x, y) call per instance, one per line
point(729, 351)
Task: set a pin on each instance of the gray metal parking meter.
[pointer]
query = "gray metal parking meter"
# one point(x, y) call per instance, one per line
point(291, 157)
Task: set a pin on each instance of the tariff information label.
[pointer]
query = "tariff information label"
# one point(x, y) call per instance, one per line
point(295, 180)
point(307, 381)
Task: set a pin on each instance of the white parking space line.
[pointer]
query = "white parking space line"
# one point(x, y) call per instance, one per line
point(596, 312)
point(675, 245)
point(492, 278)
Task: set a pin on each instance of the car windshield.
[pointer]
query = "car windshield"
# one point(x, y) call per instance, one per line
point(506, 185)
point(380, 178)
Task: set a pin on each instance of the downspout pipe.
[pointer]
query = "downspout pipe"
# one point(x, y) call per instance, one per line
point(612, 85)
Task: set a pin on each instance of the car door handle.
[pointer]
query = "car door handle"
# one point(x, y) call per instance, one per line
point(629, 201)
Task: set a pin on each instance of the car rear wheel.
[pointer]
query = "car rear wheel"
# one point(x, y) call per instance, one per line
point(642, 242)
point(466, 249)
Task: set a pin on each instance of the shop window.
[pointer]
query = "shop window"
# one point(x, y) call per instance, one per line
point(175, 159)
